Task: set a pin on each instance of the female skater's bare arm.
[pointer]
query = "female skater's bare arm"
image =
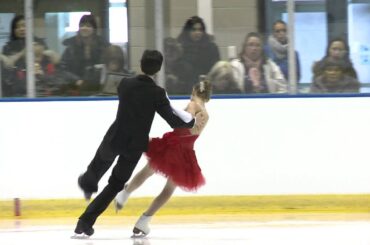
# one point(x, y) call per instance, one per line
point(200, 115)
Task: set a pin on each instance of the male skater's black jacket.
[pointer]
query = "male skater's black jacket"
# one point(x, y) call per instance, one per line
point(139, 99)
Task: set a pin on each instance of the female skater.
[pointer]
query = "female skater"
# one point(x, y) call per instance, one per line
point(172, 156)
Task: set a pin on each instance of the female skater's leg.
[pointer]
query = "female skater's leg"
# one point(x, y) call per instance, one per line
point(141, 227)
point(139, 178)
point(161, 199)
point(135, 183)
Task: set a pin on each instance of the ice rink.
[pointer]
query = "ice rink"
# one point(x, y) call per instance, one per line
point(287, 232)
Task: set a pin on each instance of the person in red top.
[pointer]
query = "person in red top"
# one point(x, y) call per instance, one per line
point(172, 156)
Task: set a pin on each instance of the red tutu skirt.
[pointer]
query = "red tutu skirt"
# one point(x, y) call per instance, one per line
point(174, 157)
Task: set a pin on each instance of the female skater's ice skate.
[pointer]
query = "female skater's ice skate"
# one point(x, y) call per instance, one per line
point(141, 228)
point(121, 199)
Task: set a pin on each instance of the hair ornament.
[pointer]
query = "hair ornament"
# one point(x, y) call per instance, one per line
point(201, 86)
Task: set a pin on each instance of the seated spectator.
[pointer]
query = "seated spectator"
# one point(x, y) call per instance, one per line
point(14, 64)
point(113, 61)
point(112, 70)
point(254, 72)
point(14, 49)
point(200, 53)
point(83, 51)
point(223, 79)
point(337, 49)
point(175, 68)
point(48, 83)
point(277, 49)
point(334, 78)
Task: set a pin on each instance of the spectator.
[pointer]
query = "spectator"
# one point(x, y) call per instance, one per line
point(47, 82)
point(14, 49)
point(277, 49)
point(337, 49)
point(200, 53)
point(14, 70)
point(83, 51)
point(254, 72)
point(113, 61)
point(112, 70)
point(175, 67)
point(223, 79)
point(334, 78)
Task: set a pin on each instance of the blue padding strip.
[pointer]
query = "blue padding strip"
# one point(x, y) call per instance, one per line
point(181, 97)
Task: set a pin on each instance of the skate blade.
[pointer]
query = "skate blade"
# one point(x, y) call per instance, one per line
point(82, 236)
point(138, 233)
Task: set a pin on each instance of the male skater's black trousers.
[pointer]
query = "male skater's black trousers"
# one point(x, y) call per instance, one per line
point(121, 173)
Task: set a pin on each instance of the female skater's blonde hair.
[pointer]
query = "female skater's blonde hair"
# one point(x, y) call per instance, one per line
point(222, 76)
point(221, 70)
point(203, 89)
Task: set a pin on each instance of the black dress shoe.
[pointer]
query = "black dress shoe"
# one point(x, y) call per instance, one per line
point(83, 228)
point(87, 191)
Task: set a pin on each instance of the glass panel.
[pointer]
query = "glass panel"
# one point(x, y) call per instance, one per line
point(5, 20)
point(118, 22)
point(77, 45)
point(309, 21)
point(327, 39)
point(359, 40)
point(60, 26)
point(236, 44)
point(11, 45)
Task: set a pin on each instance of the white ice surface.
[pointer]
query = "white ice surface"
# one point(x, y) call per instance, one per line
point(222, 233)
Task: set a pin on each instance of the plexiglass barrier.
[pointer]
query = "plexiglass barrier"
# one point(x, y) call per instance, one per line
point(85, 48)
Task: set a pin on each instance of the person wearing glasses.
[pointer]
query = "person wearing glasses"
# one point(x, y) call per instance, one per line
point(277, 49)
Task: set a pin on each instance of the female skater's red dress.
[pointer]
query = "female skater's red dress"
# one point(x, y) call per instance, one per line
point(173, 156)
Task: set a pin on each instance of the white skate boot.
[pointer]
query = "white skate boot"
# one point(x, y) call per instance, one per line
point(121, 199)
point(141, 228)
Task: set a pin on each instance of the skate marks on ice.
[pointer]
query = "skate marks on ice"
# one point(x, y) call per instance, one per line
point(221, 233)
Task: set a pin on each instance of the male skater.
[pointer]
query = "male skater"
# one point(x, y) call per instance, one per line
point(127, 137)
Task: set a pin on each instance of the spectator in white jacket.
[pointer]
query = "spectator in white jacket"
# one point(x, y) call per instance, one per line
point(254, 72)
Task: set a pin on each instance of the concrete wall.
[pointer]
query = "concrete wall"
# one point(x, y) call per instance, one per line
point(232, 21)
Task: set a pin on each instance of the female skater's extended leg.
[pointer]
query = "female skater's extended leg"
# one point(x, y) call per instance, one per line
point(135, 183)
point(141, 227)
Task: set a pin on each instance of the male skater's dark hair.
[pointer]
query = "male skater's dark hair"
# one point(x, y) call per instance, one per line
point(151, 62)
